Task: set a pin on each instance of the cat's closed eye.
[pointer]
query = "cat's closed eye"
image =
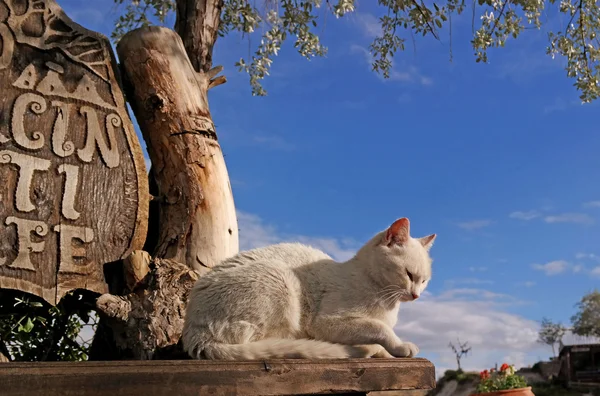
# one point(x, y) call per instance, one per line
point(410, 276)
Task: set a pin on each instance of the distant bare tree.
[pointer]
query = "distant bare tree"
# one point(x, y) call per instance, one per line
point(551, 333)
point(460, 350)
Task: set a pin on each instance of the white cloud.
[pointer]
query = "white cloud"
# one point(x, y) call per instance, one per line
point(592, 204)
point(368, 23)
point(587, 256)
point(255, 233)
point(560, 104)
point(474, 224)
point(572, 217)
point(528, 215)
point(454, 293)
point(560, 266)
point(477, 269)
point(526, 284)
point(409, 75)
point(469, 281)
point(495, 336)
point(578, 268)
point(552, 267)
point(578, 218)
point(273, 142)
point(469, 294)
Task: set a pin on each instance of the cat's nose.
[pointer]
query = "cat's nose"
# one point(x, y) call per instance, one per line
point(415, 296)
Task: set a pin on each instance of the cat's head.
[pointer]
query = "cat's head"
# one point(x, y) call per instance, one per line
point(399, 263)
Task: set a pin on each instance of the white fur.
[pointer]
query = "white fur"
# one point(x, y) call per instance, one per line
point(293, 301)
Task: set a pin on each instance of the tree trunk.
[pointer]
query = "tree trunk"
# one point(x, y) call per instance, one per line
point(198, 25)
point(198, 224)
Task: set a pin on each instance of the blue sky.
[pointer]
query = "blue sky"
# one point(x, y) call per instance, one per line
point(500, 160)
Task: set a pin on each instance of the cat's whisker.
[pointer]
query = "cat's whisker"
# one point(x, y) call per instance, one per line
point(388, 289)
point(390, 297)
point(387, 293)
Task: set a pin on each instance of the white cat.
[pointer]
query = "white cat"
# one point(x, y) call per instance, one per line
point(294, 301)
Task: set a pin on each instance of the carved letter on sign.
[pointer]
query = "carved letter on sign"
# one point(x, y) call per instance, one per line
point(74, 183)
point(26, 164)
point(25, 245)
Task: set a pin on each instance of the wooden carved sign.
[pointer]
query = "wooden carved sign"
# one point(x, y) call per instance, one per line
point(73, 184)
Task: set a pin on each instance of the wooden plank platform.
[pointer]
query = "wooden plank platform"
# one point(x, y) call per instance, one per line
point(189, 377)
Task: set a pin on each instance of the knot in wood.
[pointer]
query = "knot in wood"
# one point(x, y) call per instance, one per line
point(173, 196)
point(155, 102)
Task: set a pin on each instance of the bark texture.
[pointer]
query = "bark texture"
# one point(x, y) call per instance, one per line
point(147, 323)
point(198, 225)
point(198, 25)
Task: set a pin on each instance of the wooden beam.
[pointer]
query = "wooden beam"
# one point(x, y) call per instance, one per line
point(192, 377)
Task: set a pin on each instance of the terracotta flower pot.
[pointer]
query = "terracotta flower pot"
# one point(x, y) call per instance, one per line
point(510, 392)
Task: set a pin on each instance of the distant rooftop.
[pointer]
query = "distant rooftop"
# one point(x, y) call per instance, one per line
point(572, 339)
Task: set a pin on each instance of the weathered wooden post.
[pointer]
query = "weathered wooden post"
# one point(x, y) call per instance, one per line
point(198, 223)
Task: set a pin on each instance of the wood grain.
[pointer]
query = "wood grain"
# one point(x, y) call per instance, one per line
point(150, 318)
point(75, 188)
point(198, 225)
point(188, 377)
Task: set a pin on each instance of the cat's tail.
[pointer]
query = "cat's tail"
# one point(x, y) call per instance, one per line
point(290, 349)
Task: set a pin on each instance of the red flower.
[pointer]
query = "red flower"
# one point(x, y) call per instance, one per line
point(504, 367)
point(484, 375)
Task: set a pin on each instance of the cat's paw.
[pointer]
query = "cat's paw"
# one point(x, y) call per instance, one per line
point(406, 349)
point(382, 353)
point(369, 351)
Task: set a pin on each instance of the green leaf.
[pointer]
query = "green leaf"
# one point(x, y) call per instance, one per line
point(27, 327)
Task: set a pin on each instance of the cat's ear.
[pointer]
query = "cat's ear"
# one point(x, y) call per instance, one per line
point(399, 232)
point(427, 241)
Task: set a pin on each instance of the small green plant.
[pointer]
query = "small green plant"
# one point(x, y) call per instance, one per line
point(495, 380)
point(450, 375)
point(32, 330)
